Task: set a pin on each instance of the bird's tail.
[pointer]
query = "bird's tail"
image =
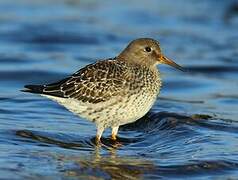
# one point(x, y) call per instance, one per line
point(37, 89)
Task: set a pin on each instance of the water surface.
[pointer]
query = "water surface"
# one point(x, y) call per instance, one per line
point(192, 130)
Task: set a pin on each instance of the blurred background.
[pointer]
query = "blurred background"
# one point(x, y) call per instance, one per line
point(192, 131)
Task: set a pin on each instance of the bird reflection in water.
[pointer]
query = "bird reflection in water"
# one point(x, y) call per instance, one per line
point(102, 162)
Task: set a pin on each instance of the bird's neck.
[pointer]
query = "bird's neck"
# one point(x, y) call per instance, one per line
point(137, 63)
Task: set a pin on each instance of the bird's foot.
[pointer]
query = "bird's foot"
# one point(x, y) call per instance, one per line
point(115, 141)
point(114, 137)
point(98, 141)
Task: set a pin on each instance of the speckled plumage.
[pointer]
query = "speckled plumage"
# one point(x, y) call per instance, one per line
point(111, 92)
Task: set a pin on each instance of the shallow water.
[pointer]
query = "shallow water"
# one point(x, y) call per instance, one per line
point(192, 130)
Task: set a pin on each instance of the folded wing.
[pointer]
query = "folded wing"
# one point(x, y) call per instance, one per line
point(94, 83)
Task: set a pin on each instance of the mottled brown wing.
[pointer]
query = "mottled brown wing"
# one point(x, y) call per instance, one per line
point(95, 83)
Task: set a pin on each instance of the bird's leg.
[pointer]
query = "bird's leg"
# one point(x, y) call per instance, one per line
point(99, 134)
point(114, 133)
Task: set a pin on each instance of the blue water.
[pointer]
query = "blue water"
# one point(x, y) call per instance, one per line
point(192, 130)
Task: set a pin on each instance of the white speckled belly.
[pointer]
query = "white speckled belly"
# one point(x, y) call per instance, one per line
point(116, 112)
point(120, 110)
point(137, 106)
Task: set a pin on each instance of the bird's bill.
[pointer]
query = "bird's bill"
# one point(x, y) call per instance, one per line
point(168, 61)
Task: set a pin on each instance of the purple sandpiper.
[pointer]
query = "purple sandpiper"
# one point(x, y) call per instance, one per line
point(112, 92)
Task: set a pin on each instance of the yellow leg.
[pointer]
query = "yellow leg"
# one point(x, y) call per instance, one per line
point(98, 141)
point(99, 135)
point(114, 133)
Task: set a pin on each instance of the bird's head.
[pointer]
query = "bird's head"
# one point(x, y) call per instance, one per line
point(147, 52)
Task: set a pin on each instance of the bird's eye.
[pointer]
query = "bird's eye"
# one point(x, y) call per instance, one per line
point(148, 49)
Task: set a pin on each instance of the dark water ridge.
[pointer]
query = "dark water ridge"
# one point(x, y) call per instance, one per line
point(190, 133)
